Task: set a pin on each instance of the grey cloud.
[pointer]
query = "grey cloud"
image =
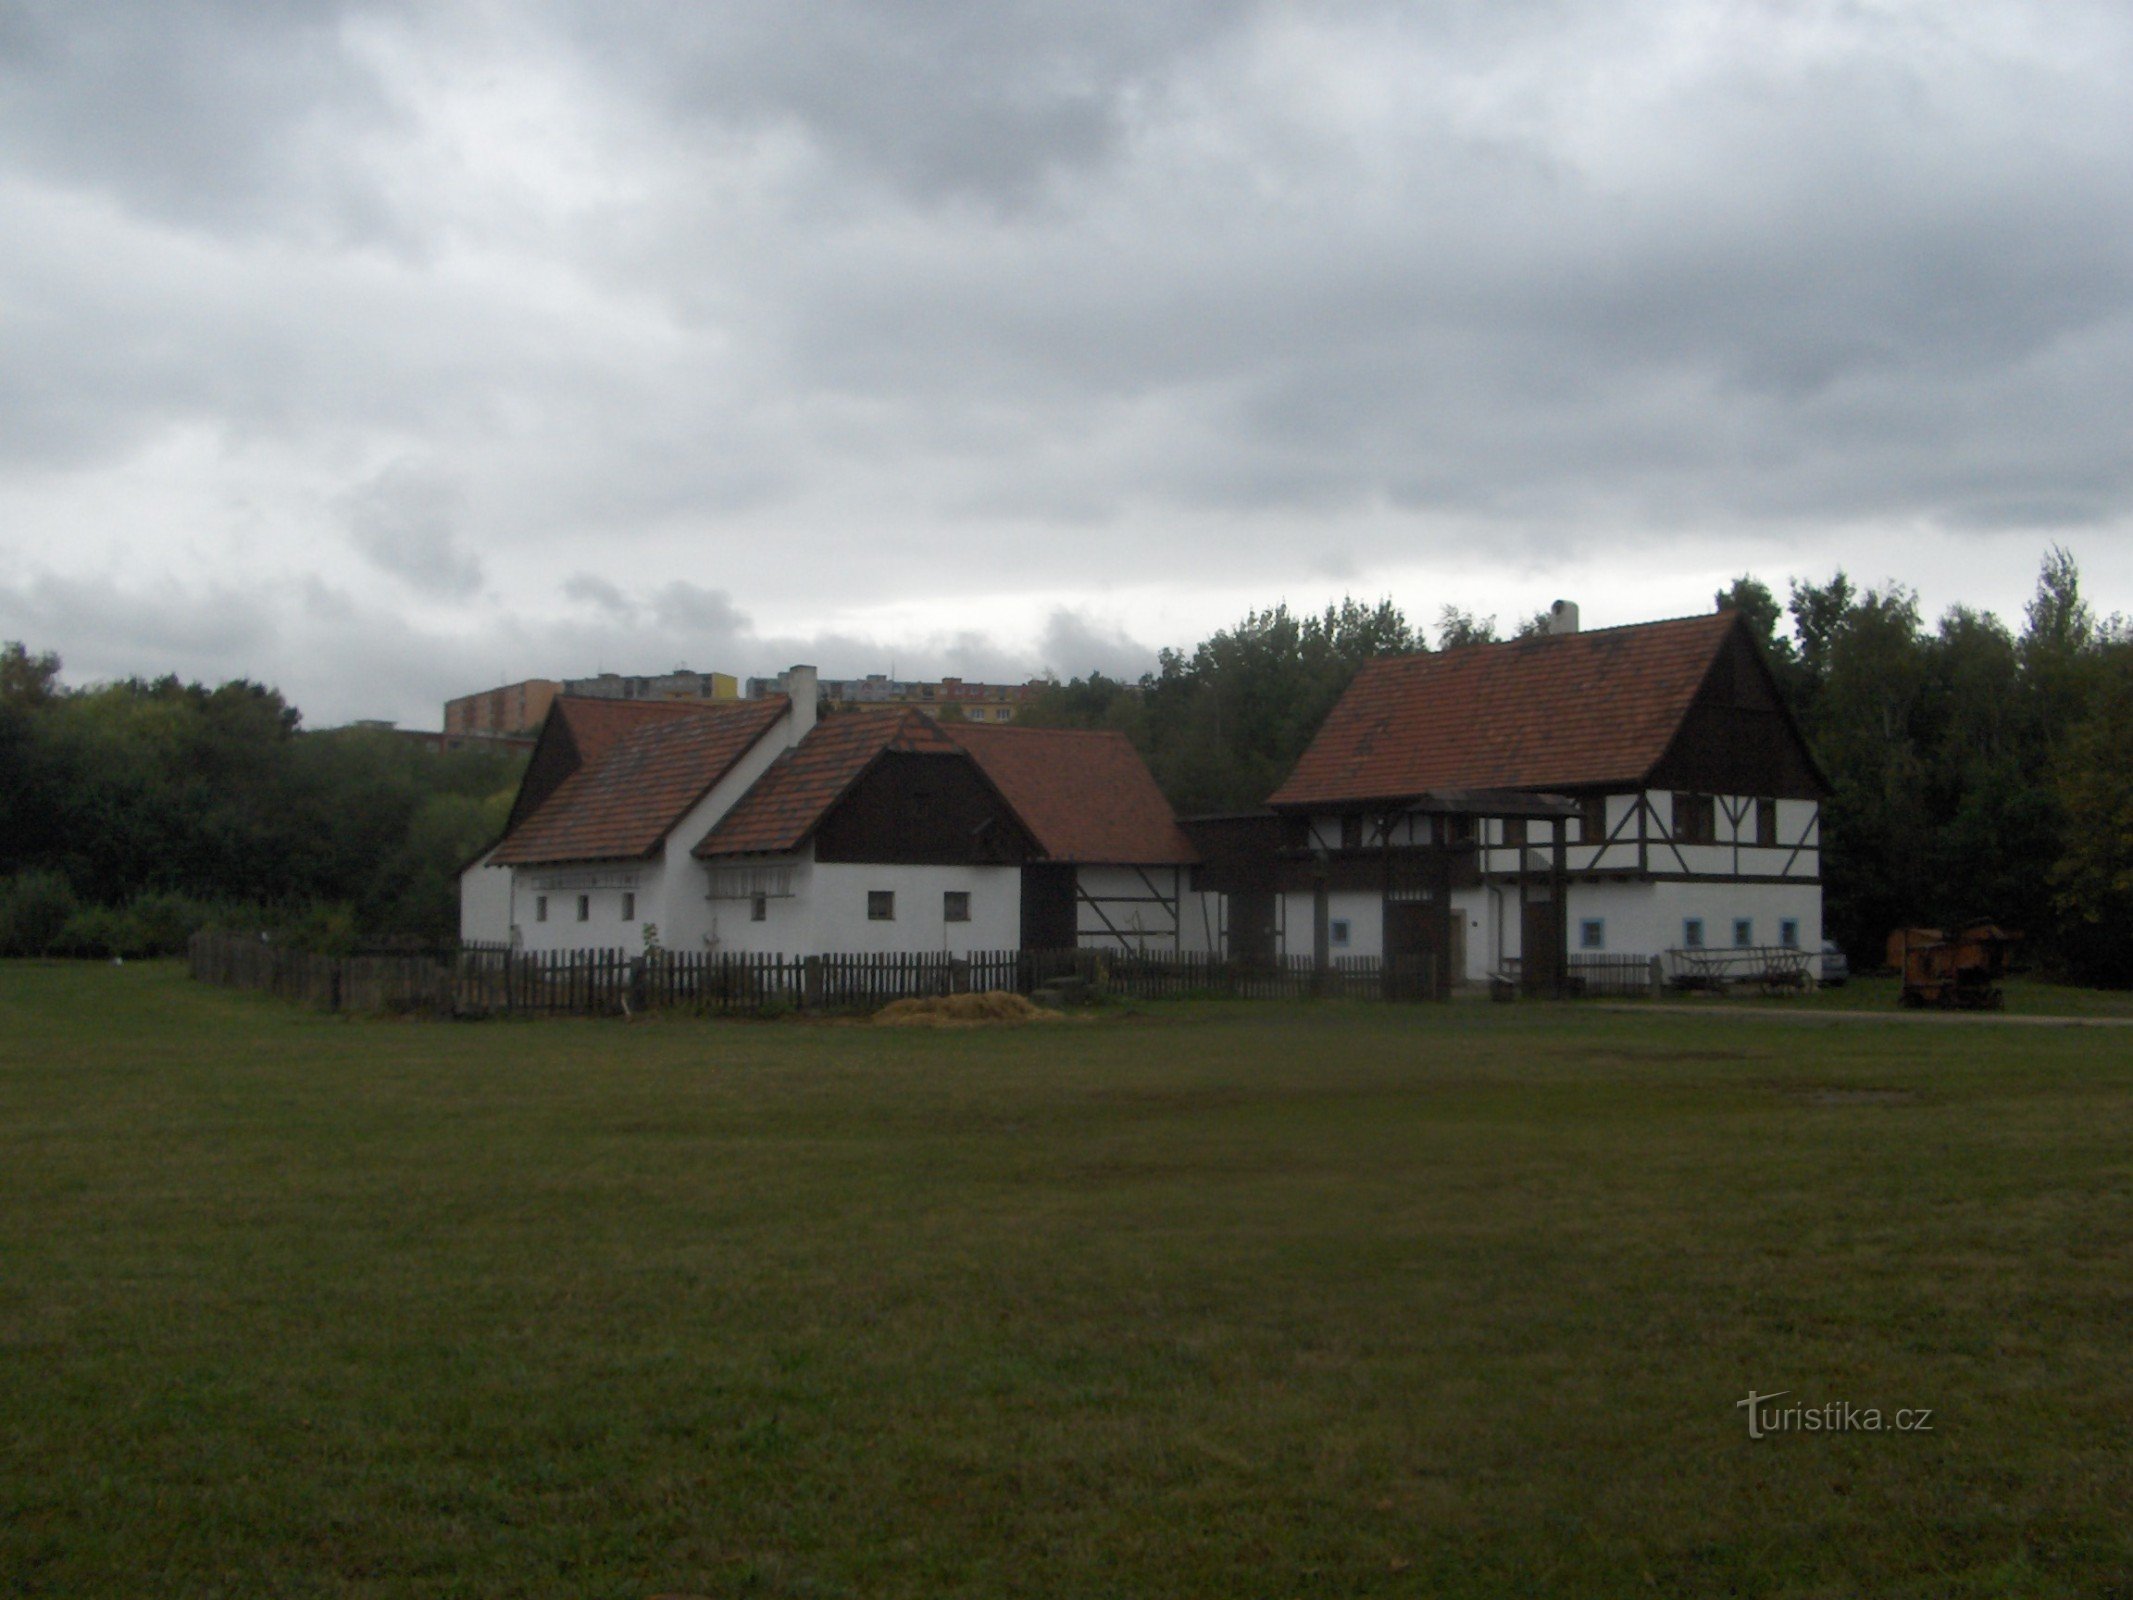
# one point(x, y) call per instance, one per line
point(598, 592)
point(213, 112)
point(944, 98)
point(829, 309)
point(106, 630)
point(406, 520)
point(1073, 645)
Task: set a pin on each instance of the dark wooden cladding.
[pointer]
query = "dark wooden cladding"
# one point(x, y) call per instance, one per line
point(1049, 911)
point(1737, 737)
point(555, 757)
point(1238, 855)
point(923, 810)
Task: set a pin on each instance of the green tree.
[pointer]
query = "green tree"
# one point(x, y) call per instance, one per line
point(2093, 877)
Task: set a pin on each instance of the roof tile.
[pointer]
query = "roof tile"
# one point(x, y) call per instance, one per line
point(642, 765)
point(1086, 794)
point(801, 787)
point(1559, 711)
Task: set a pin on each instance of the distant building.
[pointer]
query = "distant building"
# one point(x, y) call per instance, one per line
point(514, 711)
point(680, 684)
point(977, 702)
point(517, 710)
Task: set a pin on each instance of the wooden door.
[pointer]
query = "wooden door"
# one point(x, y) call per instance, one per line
point(1540, 945)
point(1413, 953)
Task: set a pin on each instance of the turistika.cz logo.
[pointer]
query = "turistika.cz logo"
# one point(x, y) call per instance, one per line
point(1832, 1416)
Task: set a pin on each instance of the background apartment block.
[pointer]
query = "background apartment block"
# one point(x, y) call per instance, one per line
point(513, 711)
point(977, 702)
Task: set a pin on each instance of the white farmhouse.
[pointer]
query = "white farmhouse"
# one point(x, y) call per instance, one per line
point(750, 827)
point(616, 791)
point(1625, 791)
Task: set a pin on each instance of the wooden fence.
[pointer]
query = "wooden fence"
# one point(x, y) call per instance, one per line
point(495, 980)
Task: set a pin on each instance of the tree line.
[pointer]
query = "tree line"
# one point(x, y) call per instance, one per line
point(1977, 769)
point(134, 812)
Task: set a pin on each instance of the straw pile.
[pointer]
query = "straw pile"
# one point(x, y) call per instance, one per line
point(962, 1011)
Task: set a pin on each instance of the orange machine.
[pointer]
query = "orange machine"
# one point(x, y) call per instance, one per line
point(1960, 969)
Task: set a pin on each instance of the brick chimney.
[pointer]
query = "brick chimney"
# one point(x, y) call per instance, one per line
point(803, 688)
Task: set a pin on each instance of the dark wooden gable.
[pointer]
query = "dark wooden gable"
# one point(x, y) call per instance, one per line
point(555, 757)
point(923, 809)
point(1737, 737)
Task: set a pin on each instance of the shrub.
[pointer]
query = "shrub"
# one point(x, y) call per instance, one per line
point(100, 932)
point(167, 921)
point(34, 909)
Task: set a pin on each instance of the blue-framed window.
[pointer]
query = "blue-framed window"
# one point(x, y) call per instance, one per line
point(1592, 933)
point(1789, 933)
point(1743, 932)
point(1692, 934)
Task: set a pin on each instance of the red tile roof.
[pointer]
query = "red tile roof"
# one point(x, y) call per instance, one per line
point(804, 784)
point(1560, 711)
point(1086, 795)
point(641, 766)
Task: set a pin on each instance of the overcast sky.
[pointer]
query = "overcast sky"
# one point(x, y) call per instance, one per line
point(390, 351)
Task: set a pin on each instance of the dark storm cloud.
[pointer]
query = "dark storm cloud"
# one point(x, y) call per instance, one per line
point(216, 112)
point(943, 98)
point(678, 316)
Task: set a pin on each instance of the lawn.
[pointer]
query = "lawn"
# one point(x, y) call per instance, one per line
point(1200, 1299)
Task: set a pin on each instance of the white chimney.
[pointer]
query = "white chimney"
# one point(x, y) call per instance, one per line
point(1563, 617)
point(800, 685)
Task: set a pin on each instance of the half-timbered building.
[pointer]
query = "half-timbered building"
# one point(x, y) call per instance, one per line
point(1494, 808)
point(1115, 869)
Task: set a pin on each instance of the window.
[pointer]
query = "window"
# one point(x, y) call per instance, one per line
point(1695, 819)
point(1592, 934)
point(1692, 934)
point(955, 905)
point(1789, 933)
point(1514, 830)
point(585, 908)
point(540, 908)
point(759, 908)
point(1351, 833)
point(1766, 822)
point(629, 906)
point(1459, 829)
point(1743, 932)
point(1592, 818)
point(881, 905)
point(1337, 931)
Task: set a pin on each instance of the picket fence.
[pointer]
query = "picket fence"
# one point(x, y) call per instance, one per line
point(494, 980)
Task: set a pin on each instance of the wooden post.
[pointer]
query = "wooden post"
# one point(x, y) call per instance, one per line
point(811, 983)
point(1559, 886)
point(1321, 930)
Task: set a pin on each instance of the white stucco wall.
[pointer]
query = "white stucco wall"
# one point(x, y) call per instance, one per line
point(837, 898)
point(607, 924)
point(1637, 918)
point(1135, 922)
point(1647, 918)
point(485, 903)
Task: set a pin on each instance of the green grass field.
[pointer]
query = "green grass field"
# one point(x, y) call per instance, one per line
point(1225, 1300)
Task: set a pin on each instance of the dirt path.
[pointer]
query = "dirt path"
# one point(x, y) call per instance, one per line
point(1776, 1014)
